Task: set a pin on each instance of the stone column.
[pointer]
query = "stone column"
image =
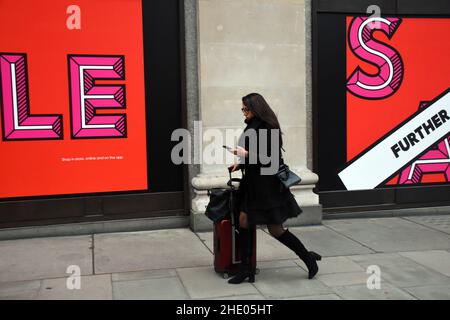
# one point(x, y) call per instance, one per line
point(256, 46)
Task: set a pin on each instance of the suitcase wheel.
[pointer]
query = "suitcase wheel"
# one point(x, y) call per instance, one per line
point(225, 275)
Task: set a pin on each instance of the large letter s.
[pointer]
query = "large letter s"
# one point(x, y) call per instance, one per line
point(389, 62)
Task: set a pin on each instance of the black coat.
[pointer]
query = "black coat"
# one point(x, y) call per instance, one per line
point(263, 192)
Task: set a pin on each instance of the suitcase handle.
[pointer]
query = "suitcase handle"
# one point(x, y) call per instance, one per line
point(230, 182)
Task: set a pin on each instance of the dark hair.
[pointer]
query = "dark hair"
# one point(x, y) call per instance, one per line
point(261, 109)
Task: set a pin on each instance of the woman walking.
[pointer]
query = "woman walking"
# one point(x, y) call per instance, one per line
point(262, 198)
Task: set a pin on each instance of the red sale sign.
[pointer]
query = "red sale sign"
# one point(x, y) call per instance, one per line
point(72, 97)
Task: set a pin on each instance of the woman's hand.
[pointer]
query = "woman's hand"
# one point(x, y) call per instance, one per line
point(234, 167)
point(239, 151)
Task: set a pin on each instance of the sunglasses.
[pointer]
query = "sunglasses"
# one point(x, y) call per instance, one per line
point(245, 110)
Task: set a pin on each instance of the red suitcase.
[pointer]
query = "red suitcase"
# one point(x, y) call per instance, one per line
point(226, 237)
point(226, 248)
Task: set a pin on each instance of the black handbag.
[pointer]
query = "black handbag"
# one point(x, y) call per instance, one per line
point(218, 207)
point(286, 176)
point(222, 202)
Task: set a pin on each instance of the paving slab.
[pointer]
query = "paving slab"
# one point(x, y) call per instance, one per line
point(438, 260)
point(327, 242)
point(343, 279)
point(96, 287)
point(361, 292)
point(22, 290)
point(31, 259)
point(288, 282)
point(430, 292)
point(316, 238)
point(439, 222)
point(267, 247)
point(401, 271)
point(275, 264)
point(390, 234)
point(334, 265)
point(207, 238)
point(203, 282)
point(150, 289)
point(138, 251)
point(147, 274)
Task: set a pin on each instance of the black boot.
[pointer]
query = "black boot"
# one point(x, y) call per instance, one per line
point(308, 257)
point(245, 249)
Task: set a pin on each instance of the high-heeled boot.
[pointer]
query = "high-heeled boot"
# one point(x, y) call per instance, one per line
point(308, 257)
point(245, 249)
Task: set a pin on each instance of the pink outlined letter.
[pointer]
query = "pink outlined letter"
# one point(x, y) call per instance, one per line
point(389, 62)
point(435, 160)
point(86, 96)
point(18, 124)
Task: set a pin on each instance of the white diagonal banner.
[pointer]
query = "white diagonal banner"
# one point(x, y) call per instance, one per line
point(400, 147)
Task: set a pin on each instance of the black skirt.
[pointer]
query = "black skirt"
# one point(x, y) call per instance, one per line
point(275, 215)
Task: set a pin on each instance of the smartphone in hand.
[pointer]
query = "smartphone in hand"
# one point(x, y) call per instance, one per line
point(228, 148)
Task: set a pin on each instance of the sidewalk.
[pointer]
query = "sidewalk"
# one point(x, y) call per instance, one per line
point(413, 254)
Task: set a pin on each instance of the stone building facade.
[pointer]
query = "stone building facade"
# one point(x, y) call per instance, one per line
point(236, 47)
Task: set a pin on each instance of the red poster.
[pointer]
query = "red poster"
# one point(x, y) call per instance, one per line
point(72, 97)
point(396, 68)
